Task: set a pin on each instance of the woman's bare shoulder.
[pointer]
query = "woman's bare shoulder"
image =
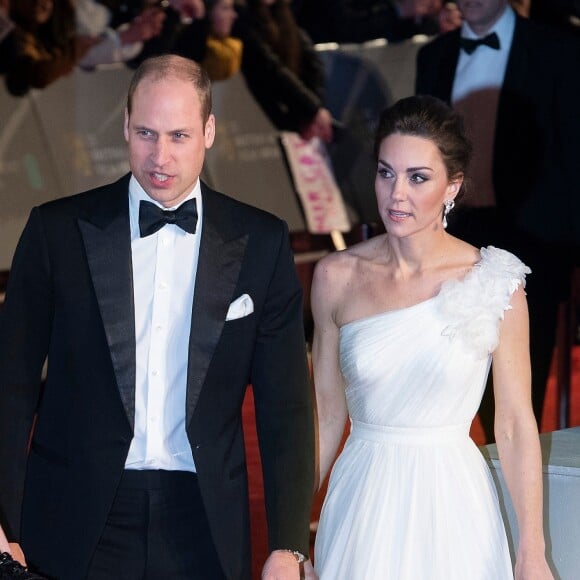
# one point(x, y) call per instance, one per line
point(333, 271)
point(339, 267)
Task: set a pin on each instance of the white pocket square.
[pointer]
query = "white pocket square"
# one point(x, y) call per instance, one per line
point(240, 307)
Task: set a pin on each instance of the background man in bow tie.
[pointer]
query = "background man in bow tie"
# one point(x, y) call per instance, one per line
point(154, 324)
point(516, 84)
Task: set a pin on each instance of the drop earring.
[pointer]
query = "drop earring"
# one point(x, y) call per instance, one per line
point(449, 204)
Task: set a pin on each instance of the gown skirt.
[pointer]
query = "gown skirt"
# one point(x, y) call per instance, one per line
point(410, 497)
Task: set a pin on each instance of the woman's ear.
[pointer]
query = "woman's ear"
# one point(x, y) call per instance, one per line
point(454, 185)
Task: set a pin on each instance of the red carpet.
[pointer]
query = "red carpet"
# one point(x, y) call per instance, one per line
point(259, 533)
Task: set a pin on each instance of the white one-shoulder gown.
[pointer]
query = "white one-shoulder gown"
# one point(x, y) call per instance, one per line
point(410, 497)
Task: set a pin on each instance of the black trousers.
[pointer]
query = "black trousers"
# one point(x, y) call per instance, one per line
point(157, 529)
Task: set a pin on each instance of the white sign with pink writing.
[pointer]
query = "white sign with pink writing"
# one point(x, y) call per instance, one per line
point(319, 194)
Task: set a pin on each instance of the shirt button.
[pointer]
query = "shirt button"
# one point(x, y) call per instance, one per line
point(159, 328)
point(163, 286)
point(155, 373)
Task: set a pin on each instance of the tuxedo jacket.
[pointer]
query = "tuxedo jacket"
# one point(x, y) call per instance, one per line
point(537, 138)
point(70, 298)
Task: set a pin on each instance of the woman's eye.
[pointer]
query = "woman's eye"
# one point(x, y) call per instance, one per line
point(385, 173)
point(418, 178)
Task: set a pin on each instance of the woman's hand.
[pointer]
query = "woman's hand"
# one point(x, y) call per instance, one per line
point(532, 568)
point(309, 573)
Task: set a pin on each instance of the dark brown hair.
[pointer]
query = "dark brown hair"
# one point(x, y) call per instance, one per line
point(430, 118)
point(277, 26)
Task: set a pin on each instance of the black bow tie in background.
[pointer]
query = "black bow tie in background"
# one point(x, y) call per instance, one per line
point(470, 44)
point(152, 218)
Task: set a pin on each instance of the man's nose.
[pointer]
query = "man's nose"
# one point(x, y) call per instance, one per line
point(161, 152)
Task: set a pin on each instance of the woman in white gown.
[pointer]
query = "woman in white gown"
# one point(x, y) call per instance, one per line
point(406, 327)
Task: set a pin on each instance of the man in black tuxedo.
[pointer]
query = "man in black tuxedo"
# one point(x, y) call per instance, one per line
point(514, 82)
point(157, 301)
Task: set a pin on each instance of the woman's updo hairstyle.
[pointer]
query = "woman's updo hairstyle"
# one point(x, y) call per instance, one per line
point(430, 118)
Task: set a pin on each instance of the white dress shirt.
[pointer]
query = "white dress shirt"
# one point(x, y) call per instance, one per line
point(478, 80)
point(164, 270)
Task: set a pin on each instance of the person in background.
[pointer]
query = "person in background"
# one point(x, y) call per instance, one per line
point(449, 17)
point(282, 70)
point(179, 15)
point(406, 325)
point(560, 13)
point(114, 45)
point(6, 25)
point(209, 41)
point(564, 14)
point(526, 136)
point(6, 36)
point(356, 21)
point(157, 302)
point(223, 56)
point(46, 46)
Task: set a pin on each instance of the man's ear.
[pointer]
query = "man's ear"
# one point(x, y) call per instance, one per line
point(209, 131)
point(126, 125)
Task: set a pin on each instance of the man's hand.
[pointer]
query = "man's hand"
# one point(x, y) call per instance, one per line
point(449, 17)
point(4, 546)
point(281, 565)
point(17, 553)
point(189, 9)
point(143, 27)
point(320, 126)
point(12, 548)
point(82, 44)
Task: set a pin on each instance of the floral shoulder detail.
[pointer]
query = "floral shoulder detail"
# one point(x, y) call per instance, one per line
point(475, 306)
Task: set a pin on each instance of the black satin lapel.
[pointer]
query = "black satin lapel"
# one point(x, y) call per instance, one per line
point(109, 256)
point(517, 69)
point(218, 269)
point(446, 75)
point(513, 88)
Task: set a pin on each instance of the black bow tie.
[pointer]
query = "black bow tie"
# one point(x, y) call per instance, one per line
point(152, 218)
point(470, 44)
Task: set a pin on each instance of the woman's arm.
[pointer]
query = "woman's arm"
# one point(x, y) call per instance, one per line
point(329, 385)
point(517, 438)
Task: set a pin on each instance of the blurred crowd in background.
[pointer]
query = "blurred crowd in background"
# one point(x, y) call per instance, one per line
point(270, 41)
